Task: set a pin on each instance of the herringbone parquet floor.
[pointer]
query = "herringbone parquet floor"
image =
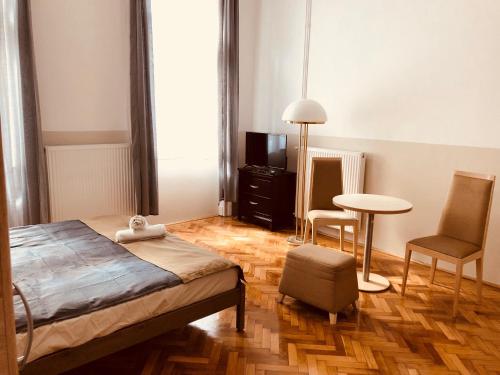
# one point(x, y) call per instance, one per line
point(389, 334)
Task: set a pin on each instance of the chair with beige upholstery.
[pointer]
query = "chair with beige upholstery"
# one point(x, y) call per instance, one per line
point(461, 235)
point(326, 183)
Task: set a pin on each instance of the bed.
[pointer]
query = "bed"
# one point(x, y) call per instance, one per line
point(90, 297)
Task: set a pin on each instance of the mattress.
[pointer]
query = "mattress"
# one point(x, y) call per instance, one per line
point(66, 269)
point(79, 330)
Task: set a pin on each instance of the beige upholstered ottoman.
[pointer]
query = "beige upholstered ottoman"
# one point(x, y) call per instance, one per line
point(320, 277)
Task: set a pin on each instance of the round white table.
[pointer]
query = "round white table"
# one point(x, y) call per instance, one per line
point(371, 204)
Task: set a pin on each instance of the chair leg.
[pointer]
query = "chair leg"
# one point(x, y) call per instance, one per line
point(458, 280)
point(306, 231)
point(479, 279)
point(355, 241)
point(342, 237)
point(406, 268)
point(433, 270)
point(314, 230)
point(333, 318)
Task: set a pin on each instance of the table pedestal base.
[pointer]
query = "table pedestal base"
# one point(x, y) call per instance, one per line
point(376, 283)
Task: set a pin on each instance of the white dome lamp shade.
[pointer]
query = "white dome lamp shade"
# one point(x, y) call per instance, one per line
point(304, 111)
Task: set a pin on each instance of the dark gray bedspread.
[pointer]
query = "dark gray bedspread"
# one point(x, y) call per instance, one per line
point(67, 269)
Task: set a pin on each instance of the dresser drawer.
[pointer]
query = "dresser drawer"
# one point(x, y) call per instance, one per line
point(252, 203)
point(256, 185)
point(261, 219)
point(266, 199)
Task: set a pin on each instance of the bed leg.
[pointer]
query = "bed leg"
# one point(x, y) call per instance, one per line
point(240, 310)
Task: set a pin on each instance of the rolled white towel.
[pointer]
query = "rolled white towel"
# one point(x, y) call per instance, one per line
point(137, 222)
point(149, 232)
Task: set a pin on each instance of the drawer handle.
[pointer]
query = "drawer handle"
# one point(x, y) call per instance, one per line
point(254, 186)
point(253, 203)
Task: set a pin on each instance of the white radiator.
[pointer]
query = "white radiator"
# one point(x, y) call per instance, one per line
point(353, 171)
point(89, 180)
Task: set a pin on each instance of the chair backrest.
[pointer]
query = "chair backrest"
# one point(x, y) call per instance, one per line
point(467, 210)
point(326, 182)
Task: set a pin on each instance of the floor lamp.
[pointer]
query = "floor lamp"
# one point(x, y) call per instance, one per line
point(303, 112)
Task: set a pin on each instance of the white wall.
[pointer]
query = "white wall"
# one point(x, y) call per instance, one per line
point(277, 49)
point(416, 71)
point(413, 84)
point(82, 60)
point(248, 18)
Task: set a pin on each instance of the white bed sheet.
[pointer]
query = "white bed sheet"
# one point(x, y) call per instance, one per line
point(79, 330)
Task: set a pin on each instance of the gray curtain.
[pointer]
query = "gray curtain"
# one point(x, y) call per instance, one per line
point(228, 102)
point(144, 160)
point(24, 160)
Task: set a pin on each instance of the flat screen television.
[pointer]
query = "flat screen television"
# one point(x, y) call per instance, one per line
point(266, 150)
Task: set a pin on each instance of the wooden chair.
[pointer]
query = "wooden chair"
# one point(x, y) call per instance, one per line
point(326, 183)
point(462, 231)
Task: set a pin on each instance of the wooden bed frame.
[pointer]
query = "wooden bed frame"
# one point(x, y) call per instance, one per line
point(71, 358)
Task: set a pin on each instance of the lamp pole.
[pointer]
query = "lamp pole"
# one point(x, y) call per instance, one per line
point(300, 184)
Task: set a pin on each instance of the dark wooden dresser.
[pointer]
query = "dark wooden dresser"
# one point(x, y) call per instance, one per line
point(266, 199)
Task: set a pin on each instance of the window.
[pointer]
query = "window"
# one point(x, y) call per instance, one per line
point(185, 37)
point(185, 43)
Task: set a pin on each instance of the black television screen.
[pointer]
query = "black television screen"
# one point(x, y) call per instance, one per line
point(266, 150)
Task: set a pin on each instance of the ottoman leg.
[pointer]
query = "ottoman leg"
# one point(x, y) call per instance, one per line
point(282, 298)
point(333, 318)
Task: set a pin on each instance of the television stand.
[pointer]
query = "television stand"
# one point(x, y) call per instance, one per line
point(266, 196)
